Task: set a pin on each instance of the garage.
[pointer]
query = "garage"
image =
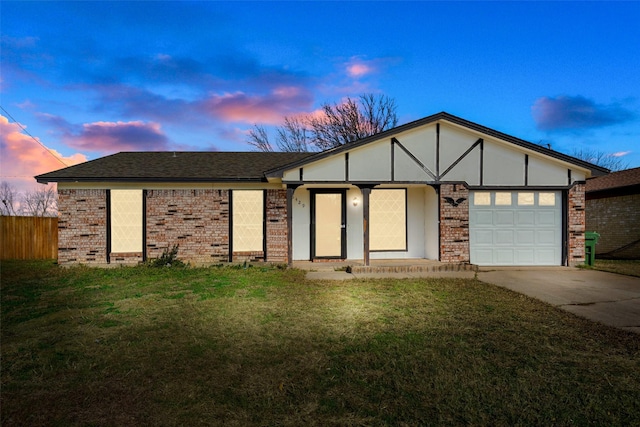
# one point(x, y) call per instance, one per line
point(515, 228)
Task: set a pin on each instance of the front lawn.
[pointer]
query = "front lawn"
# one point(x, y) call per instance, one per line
point(262, 346)
point(627, 267)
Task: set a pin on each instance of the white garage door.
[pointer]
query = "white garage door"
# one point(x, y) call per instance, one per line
point(515, 228)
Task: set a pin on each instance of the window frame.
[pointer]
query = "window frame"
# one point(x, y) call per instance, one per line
point(406, 221)
point(232, 225)
point(110, 224)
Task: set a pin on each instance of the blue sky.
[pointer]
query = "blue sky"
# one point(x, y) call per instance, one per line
point(87, 79)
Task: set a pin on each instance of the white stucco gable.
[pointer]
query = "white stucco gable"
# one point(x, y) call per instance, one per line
point(441, 148)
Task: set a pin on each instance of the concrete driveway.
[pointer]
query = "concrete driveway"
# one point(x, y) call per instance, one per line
point(607, 298)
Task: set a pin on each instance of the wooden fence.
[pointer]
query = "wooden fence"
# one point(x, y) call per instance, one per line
point(28, 237)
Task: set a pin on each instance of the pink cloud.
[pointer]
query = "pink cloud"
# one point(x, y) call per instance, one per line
point(110, 137)
point(239, 107)
point(21, 158)
point(359, 69)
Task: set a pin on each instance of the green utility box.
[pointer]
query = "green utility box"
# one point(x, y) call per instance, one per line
point(590, 240)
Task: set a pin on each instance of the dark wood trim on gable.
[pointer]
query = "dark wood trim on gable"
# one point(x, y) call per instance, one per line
point(393, 159)
point(437, 152)
point(415, 159)
point(459, 159)
point(526, 170)
point(482, 162)
point(346, 166)
point(437, 118)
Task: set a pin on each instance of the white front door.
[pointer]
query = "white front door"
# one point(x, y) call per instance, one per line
point(515, 227)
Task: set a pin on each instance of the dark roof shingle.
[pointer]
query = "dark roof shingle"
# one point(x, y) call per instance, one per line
point(175, 167)
point(625, 178)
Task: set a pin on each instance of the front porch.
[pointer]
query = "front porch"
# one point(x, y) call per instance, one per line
point(384, 266)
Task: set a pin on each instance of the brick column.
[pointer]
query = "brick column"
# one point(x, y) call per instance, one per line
point(576, 224)
point(454, 224)
point(277, 226)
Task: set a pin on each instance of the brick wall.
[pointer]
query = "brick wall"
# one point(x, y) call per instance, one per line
point(196, 220)
point(82, 226)
point(454, 225)
point(277, 226)
point(576, 224)
point(616, 220)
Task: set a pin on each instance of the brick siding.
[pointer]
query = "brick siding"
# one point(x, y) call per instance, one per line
point(196, 220)
point(454, 225)
point(82, 226)
point(616, 220)
point(576, 224)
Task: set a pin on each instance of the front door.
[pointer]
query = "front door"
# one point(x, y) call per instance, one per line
point(328, 223)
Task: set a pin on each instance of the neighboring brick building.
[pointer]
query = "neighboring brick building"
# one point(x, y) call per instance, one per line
point(439, 188)
point(613, 210)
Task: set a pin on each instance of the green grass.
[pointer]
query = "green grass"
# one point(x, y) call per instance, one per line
point(626, 267)
point(259, 346)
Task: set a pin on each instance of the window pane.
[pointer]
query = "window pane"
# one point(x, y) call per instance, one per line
point(547, 199)
point(503, 199)
point(126, 221)
point(247, 221)
point(525, 199)
point(388, 222)
point(482, 198)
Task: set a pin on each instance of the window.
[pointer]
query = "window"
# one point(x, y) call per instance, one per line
point(482, 198)
point(126, 221)
point(248, 223)
point(525, 199)
point(503, 199)
point(388, 220)
point(547, 199)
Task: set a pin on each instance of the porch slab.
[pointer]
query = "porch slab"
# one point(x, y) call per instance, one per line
point(388, 268)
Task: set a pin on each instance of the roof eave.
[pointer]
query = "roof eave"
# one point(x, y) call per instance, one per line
point(147, 179)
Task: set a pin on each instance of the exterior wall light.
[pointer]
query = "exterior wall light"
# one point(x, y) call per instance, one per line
point(355, 201)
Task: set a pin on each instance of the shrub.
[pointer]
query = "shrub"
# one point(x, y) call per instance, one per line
point(169, 258)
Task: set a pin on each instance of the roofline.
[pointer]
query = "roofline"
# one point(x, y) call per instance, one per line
point(48, 177)
point(278, 172)
point(147, 179)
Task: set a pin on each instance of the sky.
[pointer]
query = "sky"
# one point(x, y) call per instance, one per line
point(81, 80)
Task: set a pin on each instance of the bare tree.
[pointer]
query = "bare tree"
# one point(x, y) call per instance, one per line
point(339, 124)
point(42, 201)
point(8, 199)
point(601, 158)
point(352, 120)
point(294, 135)
point(259, 139)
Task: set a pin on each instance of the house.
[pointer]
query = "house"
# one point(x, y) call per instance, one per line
point(613, 206)
point(440, 188)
